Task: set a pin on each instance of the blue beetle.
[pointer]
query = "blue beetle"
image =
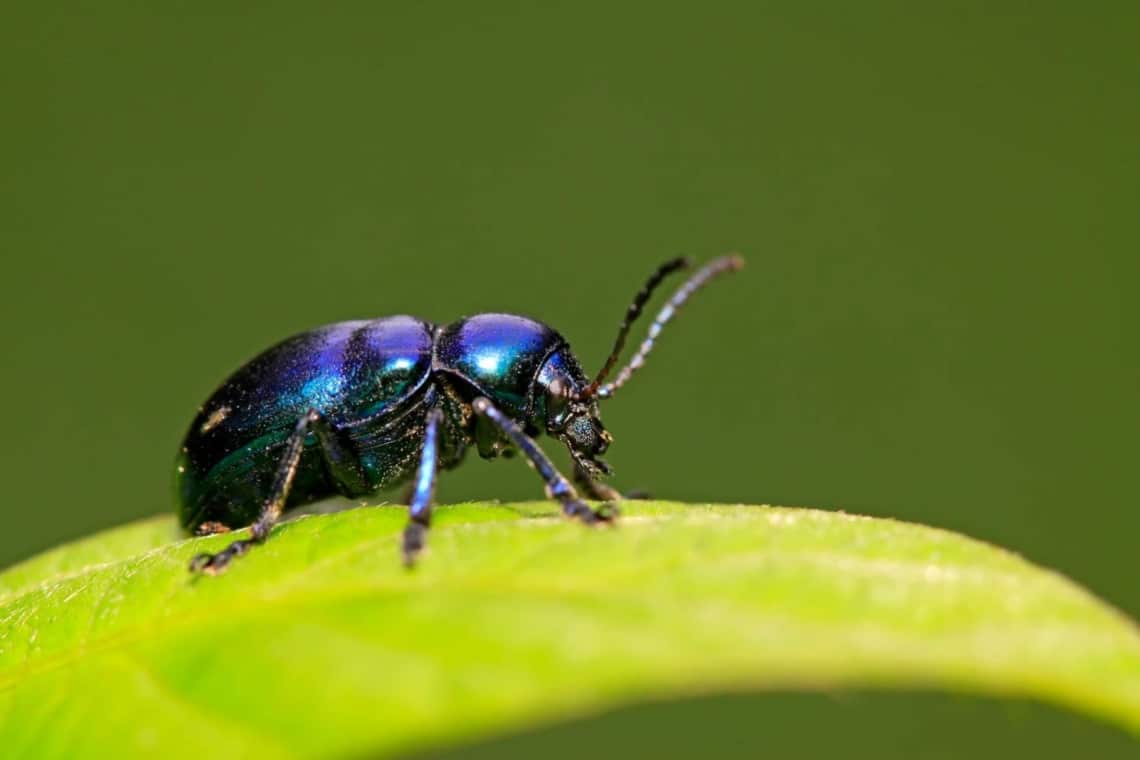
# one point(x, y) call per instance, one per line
point(354, 407)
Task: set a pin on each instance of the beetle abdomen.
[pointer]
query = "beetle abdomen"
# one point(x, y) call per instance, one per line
point(356, 373)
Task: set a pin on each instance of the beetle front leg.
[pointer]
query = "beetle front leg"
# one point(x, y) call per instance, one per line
point(271, 510)
point(423, 490)
point(557, 486)
point(600, 491)
point(594, 488)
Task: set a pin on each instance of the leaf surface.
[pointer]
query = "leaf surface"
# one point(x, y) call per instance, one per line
point(320, 643)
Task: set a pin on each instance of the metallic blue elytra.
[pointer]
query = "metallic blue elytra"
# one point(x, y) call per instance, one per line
point(355, 407)
point(350, 372)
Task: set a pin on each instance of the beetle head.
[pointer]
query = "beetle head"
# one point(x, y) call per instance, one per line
point(577, 424)
point(569, 418)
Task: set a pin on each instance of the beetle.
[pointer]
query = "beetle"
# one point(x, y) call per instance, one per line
point(355, 407)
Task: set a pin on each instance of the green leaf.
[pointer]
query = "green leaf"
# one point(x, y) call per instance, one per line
point(319, 642)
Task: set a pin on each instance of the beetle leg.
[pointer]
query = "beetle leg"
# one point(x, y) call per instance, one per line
point(271, 510)
point(557, 486)
point(603, 492)
point(595, 489)
point(423, 491)
point(211, 528)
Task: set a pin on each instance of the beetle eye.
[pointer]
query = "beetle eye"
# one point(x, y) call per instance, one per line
point(582, 430)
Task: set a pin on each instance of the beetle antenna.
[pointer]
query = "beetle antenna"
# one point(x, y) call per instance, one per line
point(730, 263)
point(631, 315)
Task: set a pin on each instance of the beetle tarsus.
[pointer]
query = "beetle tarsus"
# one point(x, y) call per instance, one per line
point(580, 510)
point(414, 540)
point(212, 564)
point(595, 489)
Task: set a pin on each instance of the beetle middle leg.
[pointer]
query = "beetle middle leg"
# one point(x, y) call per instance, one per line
point(423, 489)
point(557, 486)
point(341, 464)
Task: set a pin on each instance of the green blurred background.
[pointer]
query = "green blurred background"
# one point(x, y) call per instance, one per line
point(938, 206)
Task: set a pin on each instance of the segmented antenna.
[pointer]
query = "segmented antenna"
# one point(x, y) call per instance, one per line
point(631, 315)
point(715, 267)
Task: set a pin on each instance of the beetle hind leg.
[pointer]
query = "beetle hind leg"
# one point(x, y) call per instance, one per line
point(278, 493)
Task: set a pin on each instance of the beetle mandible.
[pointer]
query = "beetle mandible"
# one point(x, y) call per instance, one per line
point(354, 407)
